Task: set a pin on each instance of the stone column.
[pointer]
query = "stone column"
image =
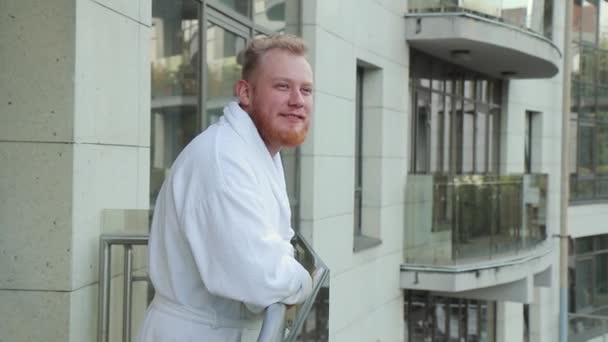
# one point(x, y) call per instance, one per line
point(74, 141)
point(509, 322)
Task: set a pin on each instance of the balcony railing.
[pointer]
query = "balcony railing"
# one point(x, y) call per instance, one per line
point(462, 218)
point(305, 322)
point(535, 15)
point(586, 188)
point(586, 328)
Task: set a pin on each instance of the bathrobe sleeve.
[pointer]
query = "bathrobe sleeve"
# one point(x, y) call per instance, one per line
point(239, 255)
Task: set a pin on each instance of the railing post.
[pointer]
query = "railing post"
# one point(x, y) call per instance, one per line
point(127, 293)
point(105, 269)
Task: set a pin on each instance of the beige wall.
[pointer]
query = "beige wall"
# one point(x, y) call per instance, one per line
point(74, 134)
point(366, 302)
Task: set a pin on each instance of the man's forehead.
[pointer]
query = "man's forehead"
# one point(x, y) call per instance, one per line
point(278, 63)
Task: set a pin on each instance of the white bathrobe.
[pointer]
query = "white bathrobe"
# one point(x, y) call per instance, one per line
point(219, 250)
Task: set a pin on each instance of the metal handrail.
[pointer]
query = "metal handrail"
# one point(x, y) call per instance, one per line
point(106, 241)
point(313, 263)
point(273, 327)
point(274, 323)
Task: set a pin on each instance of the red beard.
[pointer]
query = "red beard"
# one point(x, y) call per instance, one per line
point(286, 138)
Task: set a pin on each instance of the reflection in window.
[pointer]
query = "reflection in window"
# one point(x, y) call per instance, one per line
point(584, 283)
point(455, 119)
point(223, 70)
point(270, 13)
point(589, 21)
point(429, 317)
point(240, 6)
point(589, 286)
point(589, 128)
point(174, 58)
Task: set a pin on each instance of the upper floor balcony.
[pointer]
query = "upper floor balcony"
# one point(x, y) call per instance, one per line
point(460, 229)
point(504, 39)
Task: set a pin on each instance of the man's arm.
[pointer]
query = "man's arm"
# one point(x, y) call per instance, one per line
point(237, 252)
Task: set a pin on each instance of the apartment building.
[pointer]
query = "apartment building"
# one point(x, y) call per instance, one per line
point(429, 183)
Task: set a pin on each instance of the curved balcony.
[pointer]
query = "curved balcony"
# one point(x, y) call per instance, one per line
point(460, 229)
point(498, 38)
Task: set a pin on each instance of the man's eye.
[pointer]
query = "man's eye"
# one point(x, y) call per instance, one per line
point(282, 86)
point(307, 91)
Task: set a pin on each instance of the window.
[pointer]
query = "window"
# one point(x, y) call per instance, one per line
point(531, 143)
point(429, 317)
point(367, 164)
point(194, 67)
point(358, 152)
point(589, 276)
point(455, 119)
point(589, 121)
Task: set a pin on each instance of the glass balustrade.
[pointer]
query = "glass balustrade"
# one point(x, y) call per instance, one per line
point(125, 290)
point(534, 15)
point(459, 218)
point(586, 328)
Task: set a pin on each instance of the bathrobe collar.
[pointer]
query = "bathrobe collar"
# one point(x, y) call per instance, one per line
point(241, 122)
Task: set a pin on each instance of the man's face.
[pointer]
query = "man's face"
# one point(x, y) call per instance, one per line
point(279, 99)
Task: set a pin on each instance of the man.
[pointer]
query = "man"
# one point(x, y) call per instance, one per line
point(219, 244)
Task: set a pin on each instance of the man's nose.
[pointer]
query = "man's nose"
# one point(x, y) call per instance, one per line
point(296, 98)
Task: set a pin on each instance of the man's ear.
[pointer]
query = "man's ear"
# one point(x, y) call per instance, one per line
point(243, 90)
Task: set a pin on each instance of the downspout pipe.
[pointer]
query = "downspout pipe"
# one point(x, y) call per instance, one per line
point(565, 176)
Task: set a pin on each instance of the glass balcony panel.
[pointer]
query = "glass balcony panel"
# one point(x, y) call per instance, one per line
point(535, 15)
point(585, 149)
point(431, 5)
point(534, 228)
point(587, 327)
point(507, 237)
point(455, 219)
point(477, 220)
point(308, 321)
point(489, 7)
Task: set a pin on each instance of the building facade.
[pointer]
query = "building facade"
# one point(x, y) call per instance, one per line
point(429, 183)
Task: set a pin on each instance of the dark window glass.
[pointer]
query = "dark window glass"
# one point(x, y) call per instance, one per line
point(240, 6)
point(223, 70)
point(603, 243)
point(174, 77)
point(601, 280)
point(584, 283)
point(272, 14)
point(454, 126)
point(358, 152)
point(435, 318)
point(583, 245)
